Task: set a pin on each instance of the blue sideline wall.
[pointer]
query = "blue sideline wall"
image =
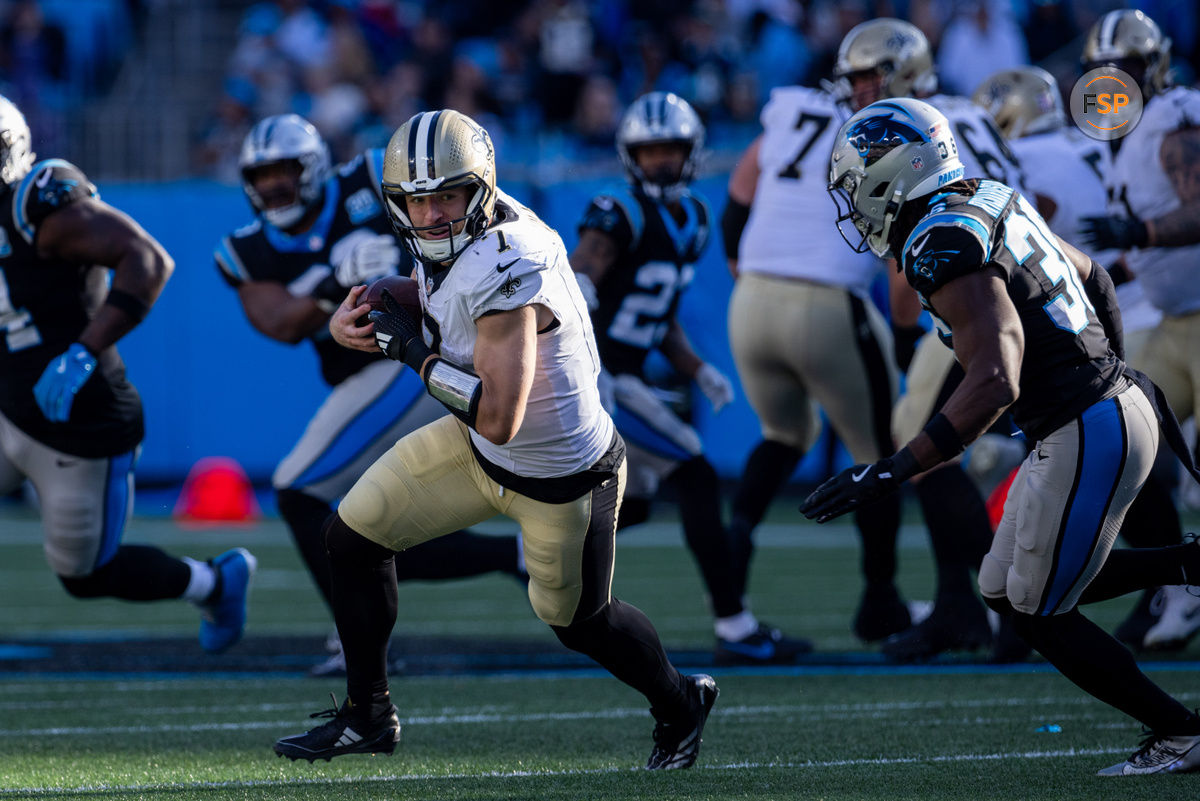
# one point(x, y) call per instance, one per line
point(213, 386)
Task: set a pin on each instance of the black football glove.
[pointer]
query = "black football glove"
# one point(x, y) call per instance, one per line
point(1121, 233)
point(395, 329)
point(858, 486)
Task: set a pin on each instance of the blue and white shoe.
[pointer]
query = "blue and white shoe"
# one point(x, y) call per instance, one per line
point(222, 621)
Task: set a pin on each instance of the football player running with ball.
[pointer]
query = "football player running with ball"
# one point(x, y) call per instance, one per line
point(637, 247)
point(319, 231)
point(1034, 323)
point(506, 344)
point(70, 422)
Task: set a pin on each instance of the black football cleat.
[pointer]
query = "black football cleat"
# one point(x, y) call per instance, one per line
point(350, 731)
point(764, 646)
point(677, 741)
point(881, 613)
point(958, 625)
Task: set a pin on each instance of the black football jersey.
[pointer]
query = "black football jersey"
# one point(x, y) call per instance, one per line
point(640, 292)
point(261, 252)
point(1067, 364)
point(44, 306)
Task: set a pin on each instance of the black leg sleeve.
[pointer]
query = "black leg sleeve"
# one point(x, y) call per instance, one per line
point(1152, 519)
point(769, 467)
point(1130, 569)
point(365, 603)
point(959, 530)
point(135, 573)
point(878, 525)
point(699, 492)
point(1098, 664)
point(458, 555)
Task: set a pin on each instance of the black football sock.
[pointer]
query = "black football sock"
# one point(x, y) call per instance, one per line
point(878, 525)
point(959, 529)
point(305, 516)
point(1152, 519)
point(458, 555)
point(767, 469)
point(1130, 569)
point(365, 604)
point(699, 493)
point(1098, 664)
point(135, 573)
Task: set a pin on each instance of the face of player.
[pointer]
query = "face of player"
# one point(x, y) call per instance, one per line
point(866, 86)
point(661, 162)
point(439, 208)
point(277, 184)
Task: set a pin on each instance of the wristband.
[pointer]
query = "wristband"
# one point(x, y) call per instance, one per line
point(733, 222)
point(947, 441)
point(135, 307)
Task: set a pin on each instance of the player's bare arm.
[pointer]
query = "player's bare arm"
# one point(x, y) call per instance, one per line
point(743, 182)
point(505, 361)
point(595, 254)
point(90, 231)
point(678, 350)
point(344, 323)
point(1180, 157)
point(989, 343)
point(277, 313)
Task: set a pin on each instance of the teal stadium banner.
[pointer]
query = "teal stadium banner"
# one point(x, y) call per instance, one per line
point(213, 386)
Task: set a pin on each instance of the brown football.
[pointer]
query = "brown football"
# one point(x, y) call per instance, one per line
point(401, 287)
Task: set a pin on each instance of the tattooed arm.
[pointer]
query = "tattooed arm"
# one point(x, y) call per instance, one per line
point(1180, 157)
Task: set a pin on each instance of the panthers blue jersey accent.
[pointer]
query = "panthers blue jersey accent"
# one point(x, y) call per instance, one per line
point(1067, 365)
point(640, 292)
point(260, 252)
point(44, 306)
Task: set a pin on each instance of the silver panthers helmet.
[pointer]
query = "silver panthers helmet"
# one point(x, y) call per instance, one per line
point(433, 151)
point(1023, 101)
point(660, 117)
point(286, 137)
point(1133, 42)
point(890, 152)
point(16, 143)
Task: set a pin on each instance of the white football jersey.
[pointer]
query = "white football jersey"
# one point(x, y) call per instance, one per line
point(791, 232)
point(1070, 169)
point(1138, 185)
point(981, 147)
point(521, 261)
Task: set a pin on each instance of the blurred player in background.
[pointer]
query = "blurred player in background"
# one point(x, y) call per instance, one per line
point(319, 231)
point(1154, 216)
point(506, 343)
point(1065, 172)
point(70, 422)
point(637, 247)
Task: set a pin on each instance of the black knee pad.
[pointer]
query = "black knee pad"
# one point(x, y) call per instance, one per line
point(347, 545)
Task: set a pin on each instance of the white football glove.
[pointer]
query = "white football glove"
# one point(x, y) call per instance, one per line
point(715, 386)
point(590, 297)
point(365, 257)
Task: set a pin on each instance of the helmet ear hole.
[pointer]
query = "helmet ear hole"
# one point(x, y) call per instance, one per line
point(878, 191)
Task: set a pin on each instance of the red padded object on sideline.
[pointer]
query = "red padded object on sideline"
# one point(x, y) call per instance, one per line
point(995, 501)
point(217, 490)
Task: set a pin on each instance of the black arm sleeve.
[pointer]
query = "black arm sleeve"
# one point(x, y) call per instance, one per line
point(733, 222)
point(1103, 295)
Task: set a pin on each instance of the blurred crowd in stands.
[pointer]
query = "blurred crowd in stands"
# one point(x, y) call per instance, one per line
point(548, 78)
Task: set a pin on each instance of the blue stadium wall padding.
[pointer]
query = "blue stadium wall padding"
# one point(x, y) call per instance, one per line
point(213, 386)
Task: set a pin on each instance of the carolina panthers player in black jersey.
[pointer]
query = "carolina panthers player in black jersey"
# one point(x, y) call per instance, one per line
point(318, 233)
point(1036, 326)
point(70, 422)
point(636, 249)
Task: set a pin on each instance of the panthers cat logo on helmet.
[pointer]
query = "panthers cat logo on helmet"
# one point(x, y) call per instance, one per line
point(890, 152)
point(898, 50)
point(286, 137)
point(660, 117)
point(436, 151)
point(1023, 101)
point(1130, 41)
point(16, 143)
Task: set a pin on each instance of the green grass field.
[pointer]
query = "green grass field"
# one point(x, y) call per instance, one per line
point(842, 726)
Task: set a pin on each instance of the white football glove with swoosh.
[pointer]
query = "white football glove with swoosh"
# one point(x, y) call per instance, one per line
point(715, 386)
point(364, 256)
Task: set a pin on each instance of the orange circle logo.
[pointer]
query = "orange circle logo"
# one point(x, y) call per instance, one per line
point(1106, 103)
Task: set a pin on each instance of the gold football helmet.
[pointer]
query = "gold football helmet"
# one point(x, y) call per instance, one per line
point(896, 49)
point(1130, 41)
point(434, 151)
point(1023, 101)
